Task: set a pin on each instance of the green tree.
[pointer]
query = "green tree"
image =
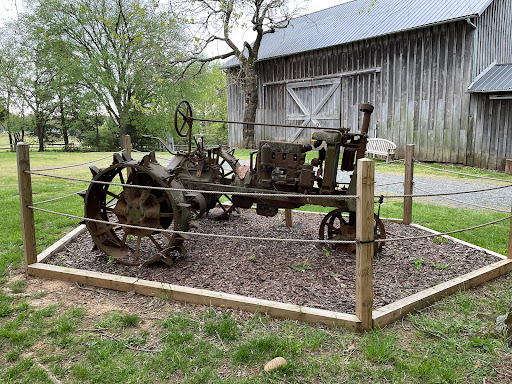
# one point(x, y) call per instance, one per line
point(29, 76)
point(118, 49)
point(207, 95)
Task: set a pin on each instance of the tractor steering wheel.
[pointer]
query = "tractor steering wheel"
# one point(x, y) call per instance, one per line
point(183, 117)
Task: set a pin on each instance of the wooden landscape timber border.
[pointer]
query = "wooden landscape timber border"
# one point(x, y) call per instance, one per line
point(366, 317)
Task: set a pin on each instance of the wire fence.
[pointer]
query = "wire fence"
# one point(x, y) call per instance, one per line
point(211, 192)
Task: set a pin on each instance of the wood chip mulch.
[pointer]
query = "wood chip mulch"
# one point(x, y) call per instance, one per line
point(305, 274)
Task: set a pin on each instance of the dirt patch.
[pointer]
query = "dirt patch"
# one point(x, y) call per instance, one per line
point(303, 274)
point(95, 301)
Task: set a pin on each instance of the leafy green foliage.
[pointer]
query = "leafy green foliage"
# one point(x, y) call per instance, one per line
point(98, 70)
point(417, 263)
point(301, 266)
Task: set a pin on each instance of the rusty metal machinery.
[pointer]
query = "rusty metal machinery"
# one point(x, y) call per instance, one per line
point(154, 197)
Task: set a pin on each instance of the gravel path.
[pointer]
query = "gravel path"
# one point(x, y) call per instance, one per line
point(497, 199)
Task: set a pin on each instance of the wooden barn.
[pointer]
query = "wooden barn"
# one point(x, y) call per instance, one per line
point(438, 72)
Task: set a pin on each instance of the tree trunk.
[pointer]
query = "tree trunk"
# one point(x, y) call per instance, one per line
point(40, 135)
point(251, 91)
point(11, 144)
point(39, 130)
point(123, 124)
point(63, 124)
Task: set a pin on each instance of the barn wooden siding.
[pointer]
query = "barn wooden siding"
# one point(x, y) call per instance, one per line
point(418, 87)
point(418, 94)
point(494, 28)
point(490, 139)
point(490, 130)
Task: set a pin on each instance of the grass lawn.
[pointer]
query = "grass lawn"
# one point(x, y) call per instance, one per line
point(454, 341)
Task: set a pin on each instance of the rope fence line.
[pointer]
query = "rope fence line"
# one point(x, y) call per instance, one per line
point(461, 173)
point(466, 203)
point(59, 198)
point(186, 234)
point(311, 241)
point(385, 185)
point(391, 162)
point(444, 233)
point(71, 166)
point(443, 195)
point(233, 193)
point(448, 193)
point(256, 194)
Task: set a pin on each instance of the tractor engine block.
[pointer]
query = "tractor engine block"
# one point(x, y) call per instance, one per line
point(281, 166)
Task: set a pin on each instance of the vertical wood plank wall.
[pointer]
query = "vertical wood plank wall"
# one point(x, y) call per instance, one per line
point(494, 28)
point(490, 135)
point(420, 94)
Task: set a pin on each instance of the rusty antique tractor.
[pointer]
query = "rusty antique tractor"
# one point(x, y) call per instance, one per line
point(148, 196)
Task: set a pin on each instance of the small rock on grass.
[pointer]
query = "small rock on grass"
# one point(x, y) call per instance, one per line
point(274, 364)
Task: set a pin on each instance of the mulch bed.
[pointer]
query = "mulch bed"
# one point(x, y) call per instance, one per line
point(303, 274)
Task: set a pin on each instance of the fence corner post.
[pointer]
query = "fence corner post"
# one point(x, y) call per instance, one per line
point(408, 183)
point(365, 244)
point(27, 214)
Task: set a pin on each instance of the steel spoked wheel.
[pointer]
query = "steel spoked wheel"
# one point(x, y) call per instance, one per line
point(340, 225)
point(144, 209)
point(335, 226)
point(183, 118)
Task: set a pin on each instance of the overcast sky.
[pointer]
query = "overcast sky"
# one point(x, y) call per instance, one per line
point(317, 5)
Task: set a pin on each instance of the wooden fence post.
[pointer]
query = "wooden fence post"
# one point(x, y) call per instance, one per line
point(288, 217)
point(365, 244)
point(128, 149)
point(408, 182)
point(27, 214)
point(509, 252)
point(128, 145)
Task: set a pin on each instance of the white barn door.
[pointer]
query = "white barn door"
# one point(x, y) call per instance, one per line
point(312, 104)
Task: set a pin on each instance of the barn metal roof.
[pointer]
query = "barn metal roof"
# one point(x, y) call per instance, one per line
point(354, 21)
point(497, 78)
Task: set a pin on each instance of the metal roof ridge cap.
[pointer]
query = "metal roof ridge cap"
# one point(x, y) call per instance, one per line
point(482, 74)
